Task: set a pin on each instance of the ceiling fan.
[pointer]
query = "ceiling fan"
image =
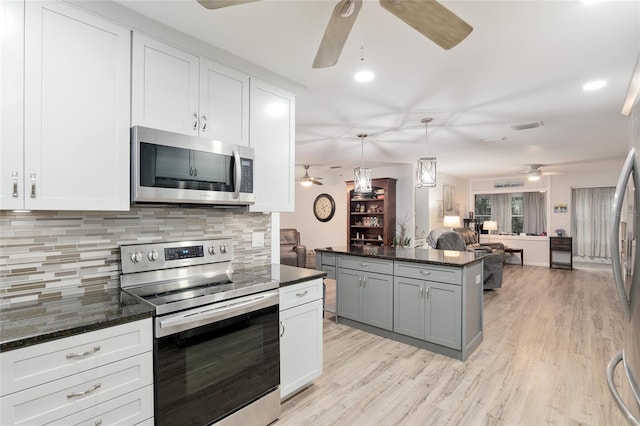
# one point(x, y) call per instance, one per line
point(307, 180)
point(534, 172)
point(428, 17)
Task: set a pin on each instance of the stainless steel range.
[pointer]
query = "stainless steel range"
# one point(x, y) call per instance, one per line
point(217, 352)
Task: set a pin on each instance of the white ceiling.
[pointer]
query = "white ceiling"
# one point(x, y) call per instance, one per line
point(525, 61)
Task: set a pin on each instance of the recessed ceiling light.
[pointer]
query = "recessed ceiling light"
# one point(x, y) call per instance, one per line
point(594, 85)
point(364, 76)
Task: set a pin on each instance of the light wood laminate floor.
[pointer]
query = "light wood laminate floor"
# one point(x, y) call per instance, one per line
point(548, 336)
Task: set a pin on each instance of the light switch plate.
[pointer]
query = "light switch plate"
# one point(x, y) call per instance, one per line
point(257, 239)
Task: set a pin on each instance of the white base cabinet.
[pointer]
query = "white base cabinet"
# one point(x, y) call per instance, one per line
point(100, 377)
point(69, 150)
point(300, 335)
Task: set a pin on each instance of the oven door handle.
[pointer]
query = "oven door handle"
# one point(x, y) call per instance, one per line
point(219, 312)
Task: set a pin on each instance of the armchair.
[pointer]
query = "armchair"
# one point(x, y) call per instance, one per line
point(471, 241)
point(291, 252)
point(492, 262)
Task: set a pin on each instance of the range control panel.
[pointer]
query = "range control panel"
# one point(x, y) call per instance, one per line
point(154, 256)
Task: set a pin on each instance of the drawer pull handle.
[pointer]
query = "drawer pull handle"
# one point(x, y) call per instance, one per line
point(83, 354)
point(364, 265)
point(33, 185)
point(423, 272)
point(302, 294)
point(282, 326)
point(98, 422)
point(83, 393)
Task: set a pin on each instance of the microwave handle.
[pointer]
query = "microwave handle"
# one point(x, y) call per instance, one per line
point(237, 179)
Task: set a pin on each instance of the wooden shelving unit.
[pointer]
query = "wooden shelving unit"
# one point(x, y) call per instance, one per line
point(376, 225)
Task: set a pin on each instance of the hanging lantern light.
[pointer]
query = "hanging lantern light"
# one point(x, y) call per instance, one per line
point(362, 175)
point(426, 165)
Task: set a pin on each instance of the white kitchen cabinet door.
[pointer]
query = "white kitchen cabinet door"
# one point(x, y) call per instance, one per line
point(300, 346)
point(11, 105)
point(272, 136)
point(164, 87)
point(76, 133)
point(224, 103)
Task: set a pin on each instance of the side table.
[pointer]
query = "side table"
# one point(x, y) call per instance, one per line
point(516, 250)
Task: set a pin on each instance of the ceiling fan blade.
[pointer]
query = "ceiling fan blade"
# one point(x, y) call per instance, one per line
point(217, 4)
point(335, 36)
point(431, 19)
point(317, 182)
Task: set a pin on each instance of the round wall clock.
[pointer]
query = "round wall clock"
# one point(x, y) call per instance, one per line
point(324, 207)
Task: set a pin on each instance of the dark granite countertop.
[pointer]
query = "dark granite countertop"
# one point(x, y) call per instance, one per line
point(284, 274)
point(418, 255)
point(36, 322)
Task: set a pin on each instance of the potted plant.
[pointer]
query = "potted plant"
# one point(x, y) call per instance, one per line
point(402, 238)
point(560, 232)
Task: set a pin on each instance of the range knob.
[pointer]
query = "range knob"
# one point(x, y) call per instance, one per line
point(223, 249)
point(136, 257)
point(212, 251)
point(153, 255)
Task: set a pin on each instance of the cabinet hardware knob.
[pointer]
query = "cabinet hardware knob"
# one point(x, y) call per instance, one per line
point(423, 272)
point(33, 185)
point(359, 281)
point(426, 293)
point(195, 121)
point(364, 265)
point(302, 294)
point(14, 177)
point(83, 393)
point(204, 123)
point(83, 354)
point(364, 282)
point(421, 291)
point(282, 327)
point(98, 422)
point(195, 172)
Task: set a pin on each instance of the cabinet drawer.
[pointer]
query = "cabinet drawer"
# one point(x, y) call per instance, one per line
point(60, 398)
point(329, 259)
point(33, 365)
point(297, 294)
point(420, 271)
point(131, 408)
point(561, 244)
point(366, 264)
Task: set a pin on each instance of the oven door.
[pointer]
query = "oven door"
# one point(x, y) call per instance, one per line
point(228, 360)
point(172, 168)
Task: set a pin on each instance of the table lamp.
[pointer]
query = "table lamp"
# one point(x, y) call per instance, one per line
point(452, 222)
point(490, 225)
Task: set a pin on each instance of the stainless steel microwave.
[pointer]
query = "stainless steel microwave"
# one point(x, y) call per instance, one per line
point(173, 168)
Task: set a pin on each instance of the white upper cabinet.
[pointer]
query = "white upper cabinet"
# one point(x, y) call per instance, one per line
point(180, 92)
point(272, 136)
point(165, 87)
point(76, 112)
point(224, 103)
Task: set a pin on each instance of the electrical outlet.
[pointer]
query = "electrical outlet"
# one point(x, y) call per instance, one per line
point(257, 239)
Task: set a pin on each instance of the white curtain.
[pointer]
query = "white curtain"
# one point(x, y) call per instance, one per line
point(535, 219)
point(501, 211)
point(592, 221)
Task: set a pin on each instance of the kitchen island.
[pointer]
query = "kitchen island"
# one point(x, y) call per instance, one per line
point(428, 298)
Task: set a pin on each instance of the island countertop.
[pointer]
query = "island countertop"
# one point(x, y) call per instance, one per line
point(284, 274)
point(417, 255)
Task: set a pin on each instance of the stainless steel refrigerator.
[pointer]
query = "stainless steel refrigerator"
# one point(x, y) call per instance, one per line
point(626, 229)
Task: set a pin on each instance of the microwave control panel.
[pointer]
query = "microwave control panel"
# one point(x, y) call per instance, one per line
point(246, 169)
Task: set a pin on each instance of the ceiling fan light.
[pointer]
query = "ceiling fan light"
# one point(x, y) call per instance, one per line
point(364, 76)
point(306, 183)
point(534, 178)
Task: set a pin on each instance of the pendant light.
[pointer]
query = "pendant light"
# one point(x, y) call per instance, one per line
point(426, 165)
point(362, 176)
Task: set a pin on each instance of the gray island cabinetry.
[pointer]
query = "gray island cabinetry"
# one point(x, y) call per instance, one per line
point(365, 291)
point(427, 298)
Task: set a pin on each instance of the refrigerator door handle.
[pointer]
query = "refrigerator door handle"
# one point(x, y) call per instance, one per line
point(630, 168)
point(614, 392)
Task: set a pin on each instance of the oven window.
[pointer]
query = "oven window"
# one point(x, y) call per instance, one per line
point(206, 373)
point(170, 167)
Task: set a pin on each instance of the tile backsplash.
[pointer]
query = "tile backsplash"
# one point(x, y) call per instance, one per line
point(49, 253)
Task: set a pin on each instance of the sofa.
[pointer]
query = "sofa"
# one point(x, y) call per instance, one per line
point(471, 241)
point(291, 251)
point(492, 262)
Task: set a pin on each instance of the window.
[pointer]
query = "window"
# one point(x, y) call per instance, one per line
point(514, 212)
